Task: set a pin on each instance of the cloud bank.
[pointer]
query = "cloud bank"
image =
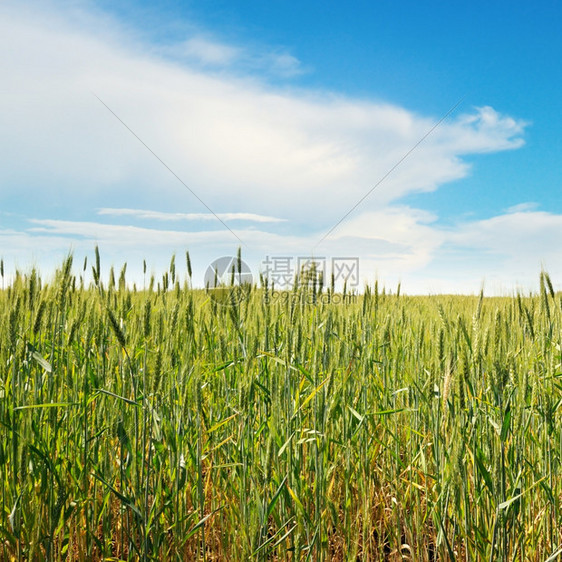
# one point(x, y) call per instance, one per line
point(284, 162)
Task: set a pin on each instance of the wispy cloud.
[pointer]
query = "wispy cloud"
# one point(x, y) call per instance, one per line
point(123, 235)
point(522, 207)
point(207, 52)
point(212, 54)
point(162, 216)
point(281, 63)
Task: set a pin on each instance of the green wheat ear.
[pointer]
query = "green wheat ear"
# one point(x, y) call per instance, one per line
point(118, 332)
point(188, 263)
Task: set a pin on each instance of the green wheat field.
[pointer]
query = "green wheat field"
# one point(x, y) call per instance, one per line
point(169, 423)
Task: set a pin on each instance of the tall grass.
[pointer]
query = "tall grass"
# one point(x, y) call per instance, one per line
point(161, 424)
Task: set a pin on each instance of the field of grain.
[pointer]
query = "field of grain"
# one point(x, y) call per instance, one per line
point(155, 423)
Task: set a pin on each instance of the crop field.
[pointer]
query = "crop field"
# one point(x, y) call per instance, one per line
point(169, 423)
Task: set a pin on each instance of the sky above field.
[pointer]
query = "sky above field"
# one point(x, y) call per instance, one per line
point(151, 128)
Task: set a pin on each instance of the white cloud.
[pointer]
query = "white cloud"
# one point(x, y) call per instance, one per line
point(252, 151)
point(211, 54)
point(499, 131)
point(160, 216)
point(122, 235)
point(411, 240)
point(283, 64)
point(505, 252)
point(522, 207)
point(207, 52)
point(520, 237)
point(241, 145)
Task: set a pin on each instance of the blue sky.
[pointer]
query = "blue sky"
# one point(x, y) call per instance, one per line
point(281, 116)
